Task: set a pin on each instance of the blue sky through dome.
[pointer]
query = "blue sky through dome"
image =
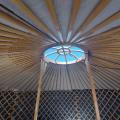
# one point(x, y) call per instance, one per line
point(61, 54)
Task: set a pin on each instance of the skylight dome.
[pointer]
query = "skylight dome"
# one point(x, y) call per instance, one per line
point(64, 54)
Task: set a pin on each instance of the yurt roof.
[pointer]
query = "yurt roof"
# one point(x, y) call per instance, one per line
point(28, 27)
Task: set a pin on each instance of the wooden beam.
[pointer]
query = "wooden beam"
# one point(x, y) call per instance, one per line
point(6, 34)
point(4, 38)
point(105, 63)
point(28, 12)
point(14, 30)
point(74, 12)
point(12, 35)
point(39, 91)
point(19, 39)
point(17, 22)
point(93, 87)
point(37, 100)
point(8, 38)
point(112, 31)
point(51, 9)
point(15, 42)
point(23, 34)
point(104, 23)
point(94, 13)
point(107, 21)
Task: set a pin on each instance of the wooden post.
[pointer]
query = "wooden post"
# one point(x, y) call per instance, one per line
point(93, 86)
point(38, 93)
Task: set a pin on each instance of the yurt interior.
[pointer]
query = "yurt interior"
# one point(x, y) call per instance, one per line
point(59, 59)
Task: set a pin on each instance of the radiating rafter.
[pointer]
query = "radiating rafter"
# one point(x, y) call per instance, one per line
point(26, 10)
point(107, 21)
point(4, 38)
point(104, 23)
point(74, 12)
point(93, 14)
point(51, 7)
point(26, 35)
point(10, 34)
point(13, 44)
point(13, 20)
point(51, 39)
point(14, 30)
point(106, 33)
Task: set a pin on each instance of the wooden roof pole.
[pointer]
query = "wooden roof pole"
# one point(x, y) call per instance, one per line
point(16, 21)
point(99, 26)
point(51, 8)
point(38, 93)
point(28, 12)
point(74, 12)
point(15, 30)
point(93, 14)
point(93, 87)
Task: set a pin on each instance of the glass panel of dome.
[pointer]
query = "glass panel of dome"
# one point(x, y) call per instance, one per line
point(53, 56)
point(70, 58)
point(59, 54)
point(73, 48)
point(49, 51)
point(61, 59)
point(78, 54)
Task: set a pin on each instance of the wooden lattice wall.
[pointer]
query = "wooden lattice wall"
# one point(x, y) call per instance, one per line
point(60, 105)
